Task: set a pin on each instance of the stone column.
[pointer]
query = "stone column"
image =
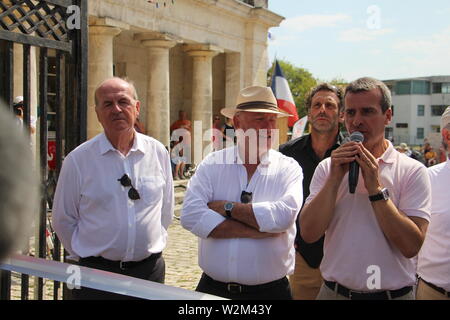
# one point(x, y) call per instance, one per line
point(201, 93)
point(233, 78)
point(158, 84)
point(100, 68)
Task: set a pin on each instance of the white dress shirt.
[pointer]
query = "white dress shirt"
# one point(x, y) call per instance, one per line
point(434, 257)
point(92, 213)
point(277, 198)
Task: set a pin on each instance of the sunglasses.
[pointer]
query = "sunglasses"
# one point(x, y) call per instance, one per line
point(125, 181)
point(246, 197)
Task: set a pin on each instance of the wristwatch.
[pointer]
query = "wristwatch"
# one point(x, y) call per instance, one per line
point(228, 206)
point(382, 195)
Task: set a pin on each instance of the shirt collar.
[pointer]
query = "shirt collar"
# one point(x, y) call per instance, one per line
point(390, 154)
point(106, 146)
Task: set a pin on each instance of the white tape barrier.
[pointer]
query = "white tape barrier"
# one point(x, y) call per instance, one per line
point(76, 276)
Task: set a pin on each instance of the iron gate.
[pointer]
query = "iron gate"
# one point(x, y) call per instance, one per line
point(56, 30)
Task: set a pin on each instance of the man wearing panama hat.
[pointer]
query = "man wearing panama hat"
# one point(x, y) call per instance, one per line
point(242, 203)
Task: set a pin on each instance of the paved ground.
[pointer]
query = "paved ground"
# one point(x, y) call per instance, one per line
point(181, 264)
point(182, 268)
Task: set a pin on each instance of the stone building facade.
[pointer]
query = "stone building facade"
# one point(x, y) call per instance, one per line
point(192, 55)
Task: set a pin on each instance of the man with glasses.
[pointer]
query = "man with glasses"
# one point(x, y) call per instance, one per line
point(114, 199)
point(242, 203)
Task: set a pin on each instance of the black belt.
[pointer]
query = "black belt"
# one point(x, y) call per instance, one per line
point(435, 287)
point(119, 264)
point(356, 295)
point(234, 288)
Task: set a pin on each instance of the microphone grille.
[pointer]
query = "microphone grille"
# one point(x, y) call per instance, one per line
point(357, 136)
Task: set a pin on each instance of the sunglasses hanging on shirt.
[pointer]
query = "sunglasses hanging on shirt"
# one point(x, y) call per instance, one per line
point(246, 197)
point(125, 181)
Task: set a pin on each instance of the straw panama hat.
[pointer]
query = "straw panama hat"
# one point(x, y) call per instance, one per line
point(255, 99)
point(445, 119)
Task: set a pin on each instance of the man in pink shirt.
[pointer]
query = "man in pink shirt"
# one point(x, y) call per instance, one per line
point(372, 234)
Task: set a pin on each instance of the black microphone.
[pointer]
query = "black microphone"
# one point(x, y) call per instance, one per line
point(353, 173)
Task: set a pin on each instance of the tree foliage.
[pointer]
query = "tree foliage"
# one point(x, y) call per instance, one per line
point(300, 82)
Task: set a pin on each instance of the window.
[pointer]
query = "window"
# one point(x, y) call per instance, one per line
point(401, 125)
point(437, 87)
point(420, 87)
point(446, 87)
point(437, 110)
point(403, 87)
point(420, 133)
point(420, 110)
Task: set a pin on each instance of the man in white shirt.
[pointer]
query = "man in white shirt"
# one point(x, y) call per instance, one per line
point(371, 234)
point(434, 258)
point(242, 203)
point(114, 198)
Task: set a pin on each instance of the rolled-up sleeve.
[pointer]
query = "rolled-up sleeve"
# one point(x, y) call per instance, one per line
point(278, 216)
point(195, 215)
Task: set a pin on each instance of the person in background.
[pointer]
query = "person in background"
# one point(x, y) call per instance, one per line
point(324, 105)
point(433, 266)
point(18, 183)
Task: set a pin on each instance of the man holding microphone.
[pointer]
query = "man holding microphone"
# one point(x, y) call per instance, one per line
point(371, 234)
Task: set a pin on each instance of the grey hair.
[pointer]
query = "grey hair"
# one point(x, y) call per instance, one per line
point(368, 84)
point(325, 87)
point(130, 83)
point(18, 187)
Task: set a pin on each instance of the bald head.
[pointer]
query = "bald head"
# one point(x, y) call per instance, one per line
point(112, 82)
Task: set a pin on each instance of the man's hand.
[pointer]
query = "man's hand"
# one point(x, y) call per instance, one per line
point(341, 158)
point(369, 168)
point(218, 206)
point(230, 229)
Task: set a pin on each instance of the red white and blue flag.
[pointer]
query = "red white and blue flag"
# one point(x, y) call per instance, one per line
point(282, 92)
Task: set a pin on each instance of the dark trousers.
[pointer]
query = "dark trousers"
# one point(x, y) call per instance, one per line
point(276, 290)
point(150, 269)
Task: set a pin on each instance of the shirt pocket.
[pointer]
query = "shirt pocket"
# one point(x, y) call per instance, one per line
point(151, 189)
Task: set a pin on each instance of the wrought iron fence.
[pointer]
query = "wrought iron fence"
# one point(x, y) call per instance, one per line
point(42, 27)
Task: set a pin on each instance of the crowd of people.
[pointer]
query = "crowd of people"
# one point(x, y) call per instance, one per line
point(271, 224)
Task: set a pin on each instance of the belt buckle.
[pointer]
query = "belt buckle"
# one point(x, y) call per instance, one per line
point(121, 265)
point(232, 286)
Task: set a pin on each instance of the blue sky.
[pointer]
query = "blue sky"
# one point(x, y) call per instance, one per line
point(350, 39)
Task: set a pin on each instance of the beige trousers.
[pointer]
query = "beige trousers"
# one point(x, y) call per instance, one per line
point(425, 292)
point(306, 281)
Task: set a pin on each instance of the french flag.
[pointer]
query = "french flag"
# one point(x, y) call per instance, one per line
point(282, 92)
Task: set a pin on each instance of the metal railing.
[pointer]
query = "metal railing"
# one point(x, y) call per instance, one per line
point(76, 276)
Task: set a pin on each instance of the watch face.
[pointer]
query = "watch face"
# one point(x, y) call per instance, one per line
point(385, 194)
point(228, 206)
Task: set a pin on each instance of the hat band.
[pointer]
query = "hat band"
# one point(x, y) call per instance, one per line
point(257, 105)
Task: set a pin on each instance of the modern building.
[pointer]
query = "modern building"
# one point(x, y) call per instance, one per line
point(418, 104)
